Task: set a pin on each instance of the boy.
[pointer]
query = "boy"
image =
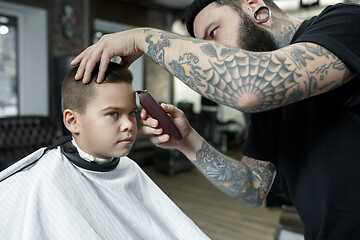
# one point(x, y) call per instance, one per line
point(82, 189)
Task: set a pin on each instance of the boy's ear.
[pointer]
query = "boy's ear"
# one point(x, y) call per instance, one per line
point(70, 121)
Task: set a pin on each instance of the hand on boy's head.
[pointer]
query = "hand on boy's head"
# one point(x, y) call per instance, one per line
point(110, 45)
point(87, 61)
point(84, 72)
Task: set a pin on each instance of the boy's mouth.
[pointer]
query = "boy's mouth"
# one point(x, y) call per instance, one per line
point(128, 140)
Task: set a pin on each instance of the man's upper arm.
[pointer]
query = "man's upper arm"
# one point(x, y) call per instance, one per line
point(313, 69)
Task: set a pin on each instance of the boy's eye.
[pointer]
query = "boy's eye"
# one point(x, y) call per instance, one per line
point(112, 114)
point(133, 113)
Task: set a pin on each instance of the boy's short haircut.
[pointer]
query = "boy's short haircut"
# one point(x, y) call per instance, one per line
point(75, 95)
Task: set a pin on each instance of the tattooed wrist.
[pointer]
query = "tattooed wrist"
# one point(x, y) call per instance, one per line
point(231, 176)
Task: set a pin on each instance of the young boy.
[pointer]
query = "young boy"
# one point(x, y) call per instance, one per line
point(87, 188)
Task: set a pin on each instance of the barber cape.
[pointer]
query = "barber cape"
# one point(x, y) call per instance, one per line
point(51, 198)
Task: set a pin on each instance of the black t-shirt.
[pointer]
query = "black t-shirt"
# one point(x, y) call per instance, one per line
point(315, 143)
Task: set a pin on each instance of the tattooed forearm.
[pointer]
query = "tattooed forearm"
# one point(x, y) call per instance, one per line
point(237, 179)
point(156, 51)
point(185, 67)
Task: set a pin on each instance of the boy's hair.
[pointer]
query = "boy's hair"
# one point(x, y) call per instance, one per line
point(76, 95)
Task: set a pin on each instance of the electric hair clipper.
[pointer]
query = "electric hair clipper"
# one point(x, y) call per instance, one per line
point(156, 111)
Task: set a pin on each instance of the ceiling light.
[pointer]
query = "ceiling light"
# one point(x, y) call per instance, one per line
point(4, 19)
point(4, 29)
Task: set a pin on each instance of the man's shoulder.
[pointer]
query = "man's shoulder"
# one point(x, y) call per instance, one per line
point(347, 10)
point(340, 6)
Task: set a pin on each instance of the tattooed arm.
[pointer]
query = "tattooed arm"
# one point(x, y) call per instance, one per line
point(248, 180)
point(248, 81)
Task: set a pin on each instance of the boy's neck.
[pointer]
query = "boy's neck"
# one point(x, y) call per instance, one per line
point(90, 158)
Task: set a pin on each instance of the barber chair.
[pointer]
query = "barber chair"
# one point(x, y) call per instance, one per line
point(22, 135)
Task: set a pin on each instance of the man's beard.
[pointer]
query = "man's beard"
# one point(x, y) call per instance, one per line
point(251, 37)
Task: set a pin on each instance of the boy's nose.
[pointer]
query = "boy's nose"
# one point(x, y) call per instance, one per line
point(126, 125)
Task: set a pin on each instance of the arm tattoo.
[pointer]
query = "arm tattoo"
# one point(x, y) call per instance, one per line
point(157, 50)
point(316, 77)
point(188, 71)
point(239, 180)
point(337, 64)
point(270, 78)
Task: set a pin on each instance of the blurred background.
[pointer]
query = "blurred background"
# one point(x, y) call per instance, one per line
point(39, 38)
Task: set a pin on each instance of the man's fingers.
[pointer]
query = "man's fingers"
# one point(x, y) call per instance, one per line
point(174, 112)
point(102, 52)
point(90, 64)
point(81, 59)
point(151, 122)
point(158, 140)
point(78, 58)
point(87, 60)
point(143, 114)
point(147, 120)
point(104, 63)
point(81, 69)
point(147, 130)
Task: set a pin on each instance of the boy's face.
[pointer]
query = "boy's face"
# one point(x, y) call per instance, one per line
point(108, 127)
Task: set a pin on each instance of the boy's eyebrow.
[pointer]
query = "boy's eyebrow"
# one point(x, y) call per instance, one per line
point(135, 108)
point(117, 108)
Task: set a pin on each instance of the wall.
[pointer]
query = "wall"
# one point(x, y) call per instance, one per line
point(33, 58)
point(70, 27)
point(62, 46)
